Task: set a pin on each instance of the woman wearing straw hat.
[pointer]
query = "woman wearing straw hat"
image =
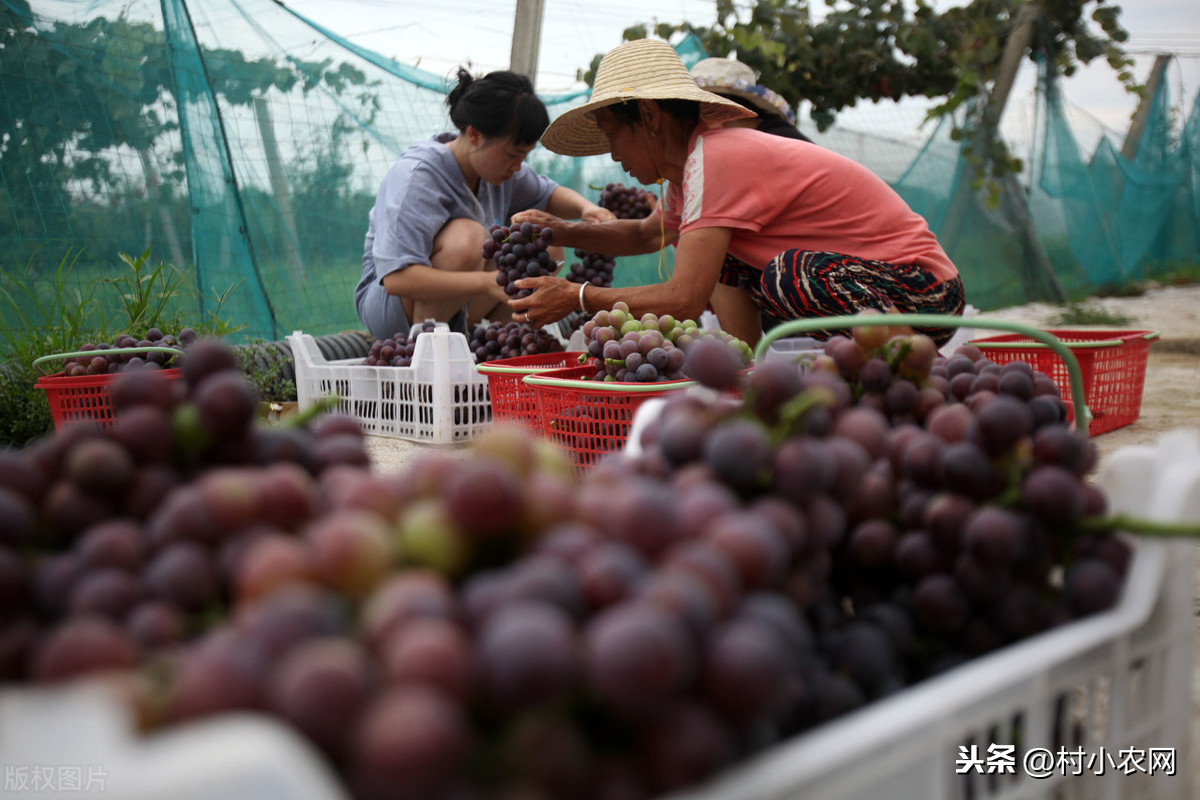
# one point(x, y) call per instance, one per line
point(422, 256)
point(811, 233)
point(731, 78)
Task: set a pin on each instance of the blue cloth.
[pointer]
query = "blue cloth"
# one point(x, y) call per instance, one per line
point(423, 191)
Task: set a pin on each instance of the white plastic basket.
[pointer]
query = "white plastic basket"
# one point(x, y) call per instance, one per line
point(441, 398)
point(798, 350)
point(81, 741)
point(1117, 680)
point(1120, 680)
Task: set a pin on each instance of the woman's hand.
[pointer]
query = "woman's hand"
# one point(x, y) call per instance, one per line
point(597, 214)
point(553, 299)
point(538, 217)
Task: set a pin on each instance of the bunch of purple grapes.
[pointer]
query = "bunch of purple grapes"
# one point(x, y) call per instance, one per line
point(594, 268)
point(118, 544)
point(945, 516)
point(511, 339)
point(103, 360)
point(398, 350)
point(626, 202)
point(519, 252)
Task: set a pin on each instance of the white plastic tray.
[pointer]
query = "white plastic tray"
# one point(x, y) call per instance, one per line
point(81, 742)
point(440, 398)
point(1123, 678)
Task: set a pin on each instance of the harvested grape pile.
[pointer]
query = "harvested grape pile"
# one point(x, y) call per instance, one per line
point(763, 565)
point(651, 349)
point(128, 353)
point(398, 350)
point(498, 340)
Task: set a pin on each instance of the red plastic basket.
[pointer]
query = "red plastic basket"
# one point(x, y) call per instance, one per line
point(1112, 364)
point(86, 398)
point(590, 418)
point(512, 400)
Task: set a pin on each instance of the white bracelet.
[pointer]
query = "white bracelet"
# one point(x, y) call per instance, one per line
point(582, 286)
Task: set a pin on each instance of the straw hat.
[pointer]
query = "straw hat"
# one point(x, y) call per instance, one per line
point(731, 78)
point(644, 69)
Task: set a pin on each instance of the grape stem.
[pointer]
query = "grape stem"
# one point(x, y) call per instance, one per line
point(1140, 526)
point(308, 414)
point(791, 412)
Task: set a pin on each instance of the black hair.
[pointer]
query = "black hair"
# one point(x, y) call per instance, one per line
point(501, 104)
point(683, 110)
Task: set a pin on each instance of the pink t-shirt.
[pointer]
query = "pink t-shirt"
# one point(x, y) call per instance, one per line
point(780, 194)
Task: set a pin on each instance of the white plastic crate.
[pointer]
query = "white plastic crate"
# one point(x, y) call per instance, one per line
point(1117, 680)
point(799, 350)
point(440, 398)
point(79, 741)
point(1120, 680)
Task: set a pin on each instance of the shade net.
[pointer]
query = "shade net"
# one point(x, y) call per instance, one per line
point(242, 144)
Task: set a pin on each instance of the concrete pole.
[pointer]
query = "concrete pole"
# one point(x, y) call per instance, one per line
point(526, 38)
point(1014, 52)
point(1137, 127)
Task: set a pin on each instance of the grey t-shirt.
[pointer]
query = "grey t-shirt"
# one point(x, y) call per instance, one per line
point(423, 191)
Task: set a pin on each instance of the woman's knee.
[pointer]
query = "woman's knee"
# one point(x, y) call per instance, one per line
point(458, 246)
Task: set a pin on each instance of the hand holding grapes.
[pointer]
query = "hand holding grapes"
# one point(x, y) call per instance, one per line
point(545, 219)
point(553, 299)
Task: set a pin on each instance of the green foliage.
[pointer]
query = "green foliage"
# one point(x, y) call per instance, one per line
point(1089, 313)
point(44, 318)
point(1177, 273)
point(268, 370)
point(113, 89)
point(36, 325)
point(875, 50)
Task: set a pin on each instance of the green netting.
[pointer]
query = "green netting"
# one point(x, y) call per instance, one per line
point(237, 140)
point(244, 144)
point(1070, 225)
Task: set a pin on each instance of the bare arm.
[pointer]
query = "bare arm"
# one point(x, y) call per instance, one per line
point(570, 204)
point(684, 295)
point(618, 237)
point(422, 282)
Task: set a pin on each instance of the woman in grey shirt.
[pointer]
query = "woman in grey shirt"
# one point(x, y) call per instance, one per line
point(422, 257)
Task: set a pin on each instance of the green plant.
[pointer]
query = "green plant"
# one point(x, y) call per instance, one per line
point(146, 293)
point(39, 323)
point(1087, 313)
point(68, 311)
point(269, 370)
point(35, 325)
point(1176, 273)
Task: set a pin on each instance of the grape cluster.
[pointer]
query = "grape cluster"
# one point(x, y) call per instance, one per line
point(938, 507)
point(488, 624)
point(593, 268)
point(519, 252)
point(102, 360)
point(498, 340)
point(648, 350)
point(626, 202)
point(398, 350)
point(118, 544)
